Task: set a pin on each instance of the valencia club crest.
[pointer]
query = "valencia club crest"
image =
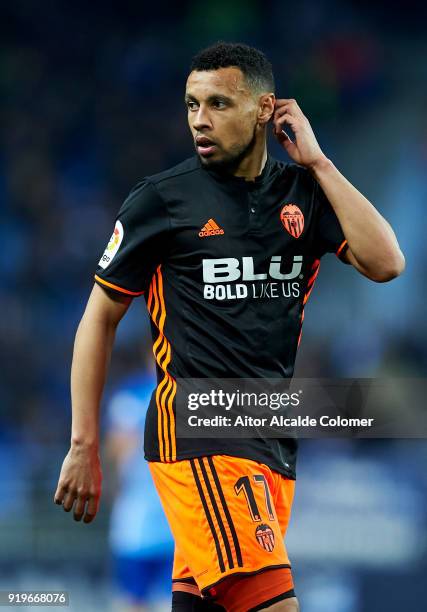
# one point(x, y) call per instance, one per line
point(265, 536)
point(292, 219)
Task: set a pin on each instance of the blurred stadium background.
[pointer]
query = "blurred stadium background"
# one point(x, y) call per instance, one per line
point(91, 100)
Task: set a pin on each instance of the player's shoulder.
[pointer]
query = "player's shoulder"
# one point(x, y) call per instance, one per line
point(149, 189)
point(294, 174)
point(188, 166)
point(292, 170)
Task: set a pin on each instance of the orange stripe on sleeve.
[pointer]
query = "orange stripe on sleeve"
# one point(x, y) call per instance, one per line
point(150, 297)
point(312, 278)
point(116, 287)
point(342, 245)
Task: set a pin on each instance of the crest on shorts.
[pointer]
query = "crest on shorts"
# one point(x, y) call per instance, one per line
point(265, 536)
point(292, 219)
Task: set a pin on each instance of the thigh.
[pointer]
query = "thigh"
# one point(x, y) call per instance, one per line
point(222, 514)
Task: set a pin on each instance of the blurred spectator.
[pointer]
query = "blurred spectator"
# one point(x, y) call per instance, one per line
point(140, 539)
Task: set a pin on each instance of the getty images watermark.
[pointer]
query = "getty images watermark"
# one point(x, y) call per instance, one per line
point(311, 408)
point(242, 401)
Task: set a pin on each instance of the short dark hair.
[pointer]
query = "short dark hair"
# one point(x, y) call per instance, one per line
point(253, 63)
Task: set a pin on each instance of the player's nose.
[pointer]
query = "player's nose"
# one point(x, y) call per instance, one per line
point(201, 119)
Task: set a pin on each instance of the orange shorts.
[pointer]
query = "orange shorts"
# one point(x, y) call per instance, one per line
point(228, 516)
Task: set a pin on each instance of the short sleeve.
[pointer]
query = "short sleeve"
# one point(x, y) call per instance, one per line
point(137, 244)
point(329, 235)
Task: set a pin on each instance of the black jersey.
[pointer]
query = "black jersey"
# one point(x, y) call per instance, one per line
point(226, 266)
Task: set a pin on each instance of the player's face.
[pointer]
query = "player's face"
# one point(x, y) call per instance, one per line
point(222, 115)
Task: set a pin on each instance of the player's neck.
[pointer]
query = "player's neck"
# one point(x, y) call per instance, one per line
point(253, 165)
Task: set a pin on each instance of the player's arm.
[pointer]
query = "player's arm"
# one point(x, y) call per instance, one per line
point(80, 479)
point(134, 251)
point(372, 245)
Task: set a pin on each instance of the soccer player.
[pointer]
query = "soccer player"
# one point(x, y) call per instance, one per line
point(225, 248)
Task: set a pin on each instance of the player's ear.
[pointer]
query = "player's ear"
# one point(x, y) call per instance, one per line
point(266, 108)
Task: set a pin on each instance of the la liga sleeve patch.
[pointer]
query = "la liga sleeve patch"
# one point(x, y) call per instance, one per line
point(113, 245)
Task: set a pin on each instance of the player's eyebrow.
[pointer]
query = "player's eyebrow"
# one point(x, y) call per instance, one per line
point(191, 98)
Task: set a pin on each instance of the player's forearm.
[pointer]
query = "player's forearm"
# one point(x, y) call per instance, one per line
point(92, 352)
point(369, 236)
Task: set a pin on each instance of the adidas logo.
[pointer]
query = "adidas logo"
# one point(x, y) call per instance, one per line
point(210, 229)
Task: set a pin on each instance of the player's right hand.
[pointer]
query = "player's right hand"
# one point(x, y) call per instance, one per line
point(80, 483)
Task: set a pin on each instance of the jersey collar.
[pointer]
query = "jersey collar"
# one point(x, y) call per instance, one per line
point(224, 177)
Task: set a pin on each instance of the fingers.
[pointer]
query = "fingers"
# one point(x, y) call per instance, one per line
point(92, 509)
point(85, 505)
point(284, 138)
point(59, 495)
point(288, 107)
point(284, 119)
point(68, 502)
point(79, 484)
point(290, 102)
point(284, 110)
point(79, 508)
point(280, 133)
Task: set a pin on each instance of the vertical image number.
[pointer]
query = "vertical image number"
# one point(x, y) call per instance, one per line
point(244, 484)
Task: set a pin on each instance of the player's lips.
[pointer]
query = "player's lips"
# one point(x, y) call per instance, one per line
point(204, 145)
